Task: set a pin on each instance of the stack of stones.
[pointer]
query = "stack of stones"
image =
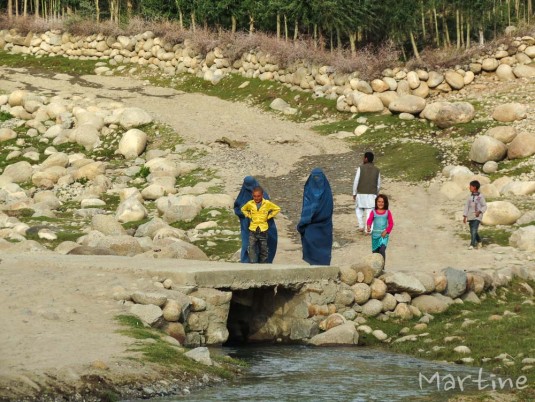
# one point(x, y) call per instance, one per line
point(353, 94)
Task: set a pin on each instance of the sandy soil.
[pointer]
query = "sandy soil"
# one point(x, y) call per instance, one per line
point(61, 319)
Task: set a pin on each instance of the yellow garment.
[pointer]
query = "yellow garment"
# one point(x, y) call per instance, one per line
point(259, 217)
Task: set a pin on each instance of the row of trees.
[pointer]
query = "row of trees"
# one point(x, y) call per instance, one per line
point(328, 23)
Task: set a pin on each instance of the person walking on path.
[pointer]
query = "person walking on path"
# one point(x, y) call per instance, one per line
point(382, 222)
point(259, 211)
point(473, 212)
point(365, 188)
point(316, 223)
point(245, 195)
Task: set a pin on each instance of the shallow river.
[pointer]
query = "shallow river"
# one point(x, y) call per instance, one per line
point(298, 373)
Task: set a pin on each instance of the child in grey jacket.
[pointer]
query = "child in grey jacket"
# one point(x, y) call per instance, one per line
point(473, 213)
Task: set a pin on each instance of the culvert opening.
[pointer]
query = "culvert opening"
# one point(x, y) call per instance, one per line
point(255, 315)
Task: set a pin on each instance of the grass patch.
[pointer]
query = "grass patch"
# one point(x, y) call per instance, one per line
point(412, 162)
point(5, 116)
point(512, 334)
point(53, 64)
point(161, 136)
point(195, 177)
point(491, 236)
point(160, 352)
point(336, 126)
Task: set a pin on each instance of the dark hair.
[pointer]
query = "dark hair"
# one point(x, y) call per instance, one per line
point(369, 156)
point(258, 188)
point(385, 199)
point(476, 184)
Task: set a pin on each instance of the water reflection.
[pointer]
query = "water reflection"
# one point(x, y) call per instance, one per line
point(299, 373)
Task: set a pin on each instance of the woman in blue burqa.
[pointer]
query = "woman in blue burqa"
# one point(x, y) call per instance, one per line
point(246, 195)
point(316, 224)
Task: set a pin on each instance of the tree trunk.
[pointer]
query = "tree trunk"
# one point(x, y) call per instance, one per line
point(278, 25)
point(234, 23)
point(25, 10)
point(10, 9)
point(331, 41)
point(458, 28)
point(193, 25)
point(285, 28)
point(352, 42)
point(296, 29)
point(338, 38)
point(17, 8)
point(97, 11)
point(129, 8)
point(36, 5)
point(251, 24)
point(481, 36)
point(467, 33)
point(422, 12)
point(414, 47)
point(315, 35)
point(435, 19)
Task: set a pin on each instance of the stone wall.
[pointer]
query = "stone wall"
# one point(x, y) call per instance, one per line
point(352, 94)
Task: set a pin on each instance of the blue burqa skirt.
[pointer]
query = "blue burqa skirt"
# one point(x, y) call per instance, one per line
point(316, 224)
point(246, 195)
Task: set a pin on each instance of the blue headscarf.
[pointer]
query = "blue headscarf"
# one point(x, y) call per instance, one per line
point(246, 195)
point(316, 224)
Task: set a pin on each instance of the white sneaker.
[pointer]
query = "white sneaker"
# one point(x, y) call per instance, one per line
point(471, 248)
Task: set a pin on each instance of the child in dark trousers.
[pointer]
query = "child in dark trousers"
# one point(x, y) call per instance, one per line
point(473, 212)
point(259, 211)
point(382, 221)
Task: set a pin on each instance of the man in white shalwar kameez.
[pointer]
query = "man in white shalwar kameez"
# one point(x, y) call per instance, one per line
point(365, 189)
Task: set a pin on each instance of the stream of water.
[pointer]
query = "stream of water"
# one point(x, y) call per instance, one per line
point(299, 373)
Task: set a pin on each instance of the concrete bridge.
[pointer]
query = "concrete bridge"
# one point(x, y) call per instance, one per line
point(205, 274)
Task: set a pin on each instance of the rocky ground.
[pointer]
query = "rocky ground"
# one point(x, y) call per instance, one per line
point(68, 327)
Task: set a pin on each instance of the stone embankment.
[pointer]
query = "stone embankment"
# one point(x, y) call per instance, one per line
point(399, 90)
point(317, 312)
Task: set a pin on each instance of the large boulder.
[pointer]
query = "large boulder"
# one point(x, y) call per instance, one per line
point(132, 143)
point(500, 213)
point(450, 114)
point(486, 148)
point(407, 104)
point(523, 71)
point(369, 104)
point(345, 334)
point(401, 282)
point(456, 282)
point(130, 210)
point(454, 79)
point(505, 134)
point(509, 112)
point(107, 224)
point(524, 239)
point(18, 172)
point(7, 134)
point(430, 304)
point(134, 117)
point(505, 72)
point(522, 146)
point(519, 188)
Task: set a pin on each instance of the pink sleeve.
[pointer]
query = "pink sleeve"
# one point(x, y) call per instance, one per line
point(390, 222)
point(370, 219)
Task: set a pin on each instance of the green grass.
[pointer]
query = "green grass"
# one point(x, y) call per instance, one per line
point(162, 353)
point(411, 162)
point(5, 116)
point(194, 177)
point(486, 339)
point(53, 65)
point(490, 235)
